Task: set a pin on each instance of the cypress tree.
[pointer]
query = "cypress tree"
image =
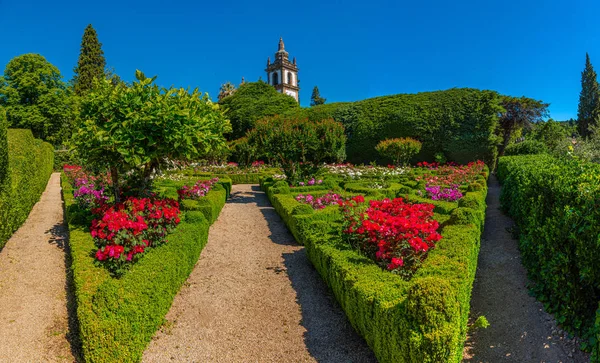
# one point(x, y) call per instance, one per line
point(91, 62)
point(588, 111)
point(316, 98)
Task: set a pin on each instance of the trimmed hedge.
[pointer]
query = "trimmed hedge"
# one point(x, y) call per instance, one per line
point(30, 164)
point(421, 320)
point(527, 147)
point(3, 149)
point(459, 123)
point(554, 202)
point(118, 317)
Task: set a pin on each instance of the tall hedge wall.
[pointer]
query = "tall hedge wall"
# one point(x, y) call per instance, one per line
point(459, 122)
point(3, 149)
point(556, 207)
point(30, 163)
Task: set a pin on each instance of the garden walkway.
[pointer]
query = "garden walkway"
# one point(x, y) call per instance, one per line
point(34, 323)
point(255, 297)
point(520, 330)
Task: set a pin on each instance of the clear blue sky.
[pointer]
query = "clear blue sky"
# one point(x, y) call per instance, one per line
point(351, 49)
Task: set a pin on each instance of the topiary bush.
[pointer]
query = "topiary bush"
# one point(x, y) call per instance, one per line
point(298, 145)
point(400, 150)
point(30, 163)
point(527, 147)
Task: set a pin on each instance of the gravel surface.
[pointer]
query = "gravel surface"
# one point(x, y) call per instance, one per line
point(34, 323)
point(520, 330)
point(254, 297)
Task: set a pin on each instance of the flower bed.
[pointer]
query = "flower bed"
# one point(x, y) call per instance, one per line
point(422, 319)
point(118, 316)
point(320, 202)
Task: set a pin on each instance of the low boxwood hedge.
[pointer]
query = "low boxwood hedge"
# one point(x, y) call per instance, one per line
point(554, 203)
point(421, 320)
point(30, 164)
point(118, 317)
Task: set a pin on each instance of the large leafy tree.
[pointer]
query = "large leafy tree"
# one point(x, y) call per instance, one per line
point(253, 101)
point(35, 97)
point(138, 129)
point(315, 98)
point(519, 113)
point(588, 112)
point(91, 62)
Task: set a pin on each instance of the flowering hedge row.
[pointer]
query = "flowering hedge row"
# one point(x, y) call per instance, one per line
point(118, 317)
point(30, 164)
point(423, 319)
point(556, 206)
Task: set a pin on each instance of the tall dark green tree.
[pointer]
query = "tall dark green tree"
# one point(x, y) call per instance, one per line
point(316, 98)
point(91, 62)
point(588, 112)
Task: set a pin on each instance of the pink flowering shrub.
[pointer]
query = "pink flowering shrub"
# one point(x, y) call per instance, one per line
point(198, 190)
point(308, 183)
point(320, 202)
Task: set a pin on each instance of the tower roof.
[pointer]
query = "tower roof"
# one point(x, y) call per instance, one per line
point(281, 45)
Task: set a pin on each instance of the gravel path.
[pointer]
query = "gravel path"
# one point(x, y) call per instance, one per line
point(520, 330)
point(34, 322)
point(255, 297)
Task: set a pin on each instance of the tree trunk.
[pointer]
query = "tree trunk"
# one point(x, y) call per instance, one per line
point(114, 174)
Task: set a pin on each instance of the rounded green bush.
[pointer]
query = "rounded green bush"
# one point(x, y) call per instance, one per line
point(527, 147)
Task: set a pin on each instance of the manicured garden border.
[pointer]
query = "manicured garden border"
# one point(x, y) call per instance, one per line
point(30, 163)
point(118, 317)
point(421, 320)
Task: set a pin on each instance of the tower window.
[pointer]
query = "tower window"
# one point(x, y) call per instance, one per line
point(290, 78)
point(275, 79)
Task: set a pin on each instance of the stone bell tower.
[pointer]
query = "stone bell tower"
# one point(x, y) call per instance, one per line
point(283, 74)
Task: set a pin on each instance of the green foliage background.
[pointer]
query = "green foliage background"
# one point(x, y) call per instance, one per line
point(3, 149)
point(526, 147)
point(253, 101)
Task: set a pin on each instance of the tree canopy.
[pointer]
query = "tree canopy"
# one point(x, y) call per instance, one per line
point(137, 129)
point(519, 112)
point(35, 97)
point(91, 62)
point(253, 101)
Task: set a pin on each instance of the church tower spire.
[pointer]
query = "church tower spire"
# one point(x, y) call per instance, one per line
point(283, 74)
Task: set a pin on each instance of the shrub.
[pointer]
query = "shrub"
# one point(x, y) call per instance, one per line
point(30, 164)
point(399, 150)
point(395, 234)
point(526, 147)
point(298, 145)
point(252, 102)
point(198, 190)
point(241, 151)
point(554, 202)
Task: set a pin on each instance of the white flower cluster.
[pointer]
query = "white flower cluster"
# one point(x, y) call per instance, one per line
point(349, 171)
point(279, 177)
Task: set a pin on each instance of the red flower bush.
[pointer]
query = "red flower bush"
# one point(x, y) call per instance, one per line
point(124, 231)
point(395, 234)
